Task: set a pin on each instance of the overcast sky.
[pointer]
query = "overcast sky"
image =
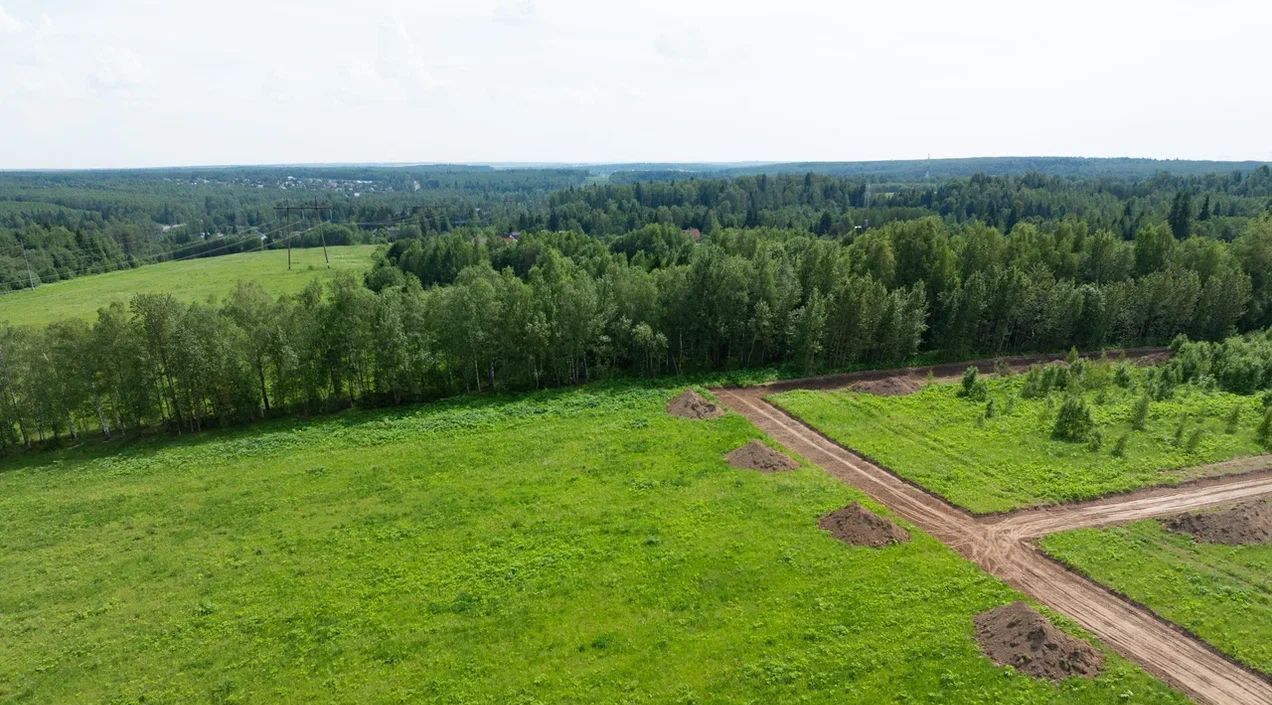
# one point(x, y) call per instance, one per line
point(87, 83)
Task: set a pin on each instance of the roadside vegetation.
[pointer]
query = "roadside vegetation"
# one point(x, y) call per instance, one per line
point(189, 281)
point(1221, 593)
point(1061, 432)
point(479, 551)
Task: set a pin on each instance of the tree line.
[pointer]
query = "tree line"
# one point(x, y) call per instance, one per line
point(563, 308)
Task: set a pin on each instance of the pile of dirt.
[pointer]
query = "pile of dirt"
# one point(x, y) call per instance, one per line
point(859, 526)
point(1015, 635)
point(691, 405)
point(887, 387)
point(1245, 523)
point(757, 456)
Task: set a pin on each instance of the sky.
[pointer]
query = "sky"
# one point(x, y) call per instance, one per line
point(133, 83)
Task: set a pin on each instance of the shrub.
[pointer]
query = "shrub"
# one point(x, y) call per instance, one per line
point(1123, 377)
point(1139, 414)
point(1095, 440)
point(974, 388)
point(1119, 449)
point(1194, 439)
point(969, 380)
point(1074, 422)
point(1265, 427)
point(989, 409)
point(1234, 421)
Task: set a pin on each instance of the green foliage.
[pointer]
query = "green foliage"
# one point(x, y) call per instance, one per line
point(932, 438)
point(1234, 421)
point(1194, 439)
point(972, 386)
point(1139, 414)
point(1119, 449)
point(1264, 432)
point(1073, 422)
point(1123, 376)
point(1217, 592)
point(377, 555)
point(1094, 440)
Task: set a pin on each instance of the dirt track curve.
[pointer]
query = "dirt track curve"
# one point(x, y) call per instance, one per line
point(1002, 546)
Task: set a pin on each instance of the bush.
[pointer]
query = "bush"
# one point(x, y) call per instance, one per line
point(1140, 413)
point(989, 409)
point(1194, 439)
point(1265, 427)
point(973, 387)
point(1234, 421)
point(1074, 422)
point(1119, 449)
point(1123, 377)
point(1095, 440)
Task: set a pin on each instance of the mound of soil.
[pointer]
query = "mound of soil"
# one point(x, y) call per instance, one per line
point(691, 405)
point(887, 387)
point(757, 456)
point(1245, 523)
point(859, 526)
point(1015, 635)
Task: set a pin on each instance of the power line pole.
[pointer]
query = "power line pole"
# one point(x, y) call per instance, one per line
point(317, 209)
point(30, 274)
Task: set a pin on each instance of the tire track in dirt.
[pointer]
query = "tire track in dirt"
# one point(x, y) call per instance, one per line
point(1144, 504)
point(1156, 645)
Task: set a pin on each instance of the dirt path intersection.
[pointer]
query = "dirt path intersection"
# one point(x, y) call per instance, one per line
point(1004, 546)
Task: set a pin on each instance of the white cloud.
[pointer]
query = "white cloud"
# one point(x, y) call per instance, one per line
point(517, 13)
point(580, 80)
point(10, 24)
point(120, 68)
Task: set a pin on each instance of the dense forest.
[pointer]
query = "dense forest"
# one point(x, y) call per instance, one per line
point(620, 279)
point(58, 225)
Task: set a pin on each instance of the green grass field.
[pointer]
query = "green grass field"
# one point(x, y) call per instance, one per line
point(566, 547)
point(189, 280)
point(944, 442)
point(1221, 593)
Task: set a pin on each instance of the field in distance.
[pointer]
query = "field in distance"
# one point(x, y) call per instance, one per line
point(1221, 593)
point(564, 547)
point(188, 280)
point(995, 450)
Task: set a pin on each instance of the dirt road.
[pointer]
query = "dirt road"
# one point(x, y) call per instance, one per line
point(1001, 545)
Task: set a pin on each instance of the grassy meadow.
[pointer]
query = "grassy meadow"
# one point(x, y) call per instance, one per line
point(189, 280)
point(1223, 594)
point(949, 444)
point(566, 547)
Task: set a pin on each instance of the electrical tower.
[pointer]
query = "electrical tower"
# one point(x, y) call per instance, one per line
point(317, 209)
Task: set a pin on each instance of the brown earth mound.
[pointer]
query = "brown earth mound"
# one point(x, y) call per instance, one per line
point(1245, 523)
point(691, 405)
point(859, 526)
point(886, 387)
point(1015, 635)
point(757, 456)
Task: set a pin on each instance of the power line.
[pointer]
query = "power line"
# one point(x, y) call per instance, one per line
point(158, 258)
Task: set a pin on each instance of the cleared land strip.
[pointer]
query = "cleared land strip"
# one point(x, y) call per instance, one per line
point(1137, 634)
point(1143, 504)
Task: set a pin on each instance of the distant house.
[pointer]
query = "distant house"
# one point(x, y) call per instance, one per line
point(694, 233)
point(513, 236)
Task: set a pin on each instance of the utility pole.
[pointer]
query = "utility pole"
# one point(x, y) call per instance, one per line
point(30, 274)
point(317, 209)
